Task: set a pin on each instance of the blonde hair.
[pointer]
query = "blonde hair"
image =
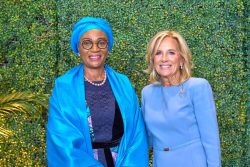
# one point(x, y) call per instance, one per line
point(185, 53)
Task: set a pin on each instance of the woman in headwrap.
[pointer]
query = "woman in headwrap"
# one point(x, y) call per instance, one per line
point(94, 116)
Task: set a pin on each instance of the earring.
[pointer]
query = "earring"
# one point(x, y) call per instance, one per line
point(181, 67)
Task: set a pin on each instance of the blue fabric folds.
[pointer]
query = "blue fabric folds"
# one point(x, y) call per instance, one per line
point(88, 23)
point(67, 136)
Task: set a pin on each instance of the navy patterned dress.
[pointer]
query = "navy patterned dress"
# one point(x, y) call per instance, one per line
point(105, 121)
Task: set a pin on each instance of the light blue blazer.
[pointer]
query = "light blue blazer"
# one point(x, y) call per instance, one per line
point(68, 138)
point(182, 125)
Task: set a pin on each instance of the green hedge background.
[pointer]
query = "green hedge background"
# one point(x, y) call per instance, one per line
point(34, 50)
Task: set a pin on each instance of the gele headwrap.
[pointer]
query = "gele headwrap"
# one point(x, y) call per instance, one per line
point(88, 23)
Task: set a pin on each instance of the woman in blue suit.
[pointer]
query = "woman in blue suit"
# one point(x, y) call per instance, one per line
point(94, 116)
point(179, 110)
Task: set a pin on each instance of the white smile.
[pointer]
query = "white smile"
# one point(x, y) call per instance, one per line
point(94, 57)
point(165, 66)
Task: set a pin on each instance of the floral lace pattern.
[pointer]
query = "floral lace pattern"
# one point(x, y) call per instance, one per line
point(114, 150)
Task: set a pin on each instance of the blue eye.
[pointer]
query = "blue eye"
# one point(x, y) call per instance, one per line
point(171, 53)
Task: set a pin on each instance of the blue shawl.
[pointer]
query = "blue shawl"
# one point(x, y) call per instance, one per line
point(68, 138)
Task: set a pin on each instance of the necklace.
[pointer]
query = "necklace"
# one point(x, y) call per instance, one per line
point(97, 84)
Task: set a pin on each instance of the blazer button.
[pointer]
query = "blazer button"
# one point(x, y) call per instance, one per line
point(166, 149)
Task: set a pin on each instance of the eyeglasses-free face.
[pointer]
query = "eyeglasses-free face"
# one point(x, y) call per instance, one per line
point(167, 60)
point(88, 43)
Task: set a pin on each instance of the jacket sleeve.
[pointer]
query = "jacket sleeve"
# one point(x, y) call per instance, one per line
point(137, 152)
point(149, 135)
point(65, 143)
point(205, 113)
